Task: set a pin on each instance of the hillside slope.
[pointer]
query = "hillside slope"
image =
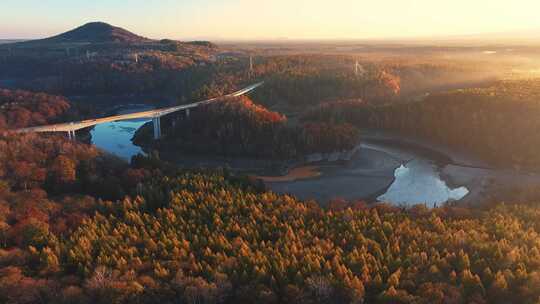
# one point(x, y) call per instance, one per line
point(93, 32)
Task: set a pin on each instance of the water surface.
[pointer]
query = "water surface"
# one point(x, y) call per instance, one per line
point(115, 137)
point(419, 182)
point(384, 173)
point(370, 174)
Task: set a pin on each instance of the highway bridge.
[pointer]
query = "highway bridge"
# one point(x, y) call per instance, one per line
point(156, 114)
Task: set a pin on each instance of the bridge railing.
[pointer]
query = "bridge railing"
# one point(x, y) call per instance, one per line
point(77, 125)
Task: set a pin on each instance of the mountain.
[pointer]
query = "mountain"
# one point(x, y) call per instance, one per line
point(94, 32)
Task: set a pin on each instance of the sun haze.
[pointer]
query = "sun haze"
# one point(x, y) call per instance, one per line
point(296, 19)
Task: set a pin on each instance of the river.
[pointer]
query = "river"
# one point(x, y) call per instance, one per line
point(115, 137)
point(376, 172)
point(418, 179)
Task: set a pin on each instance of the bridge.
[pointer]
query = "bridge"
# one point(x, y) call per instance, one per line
point(156, 114)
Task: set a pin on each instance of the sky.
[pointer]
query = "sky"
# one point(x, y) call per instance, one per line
point(272, 19)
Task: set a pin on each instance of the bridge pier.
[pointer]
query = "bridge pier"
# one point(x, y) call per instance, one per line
point(157, 127)
point(71, 127)
point(71, 134)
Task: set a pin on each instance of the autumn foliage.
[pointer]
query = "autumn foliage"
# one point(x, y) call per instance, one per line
point(307, 80)
point(19, 109)
point(498, 124)
point(239, 127)
point(214, 238)
point(213, 241)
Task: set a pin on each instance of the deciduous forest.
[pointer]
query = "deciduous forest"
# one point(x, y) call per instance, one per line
point(81, 225)
point(20, 109)
point(238, 127)
point(207, 238)
point(498, 123)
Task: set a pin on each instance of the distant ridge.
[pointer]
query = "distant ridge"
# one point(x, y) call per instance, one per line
point(6, 41)
point(95, 32)
point(96, 36)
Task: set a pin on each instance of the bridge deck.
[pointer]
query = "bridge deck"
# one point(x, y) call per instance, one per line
point(77, 125)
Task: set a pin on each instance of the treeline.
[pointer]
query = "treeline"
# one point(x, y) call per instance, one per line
point(48, 187)
point(421, 74)
point(498, 123)
point(169, 68)
point(307, 80)
point(19, 109)
point(298, 81)
point(293, 81)
point(238, 127)
point(153, 72)
point(212, 241)
point(58, 166)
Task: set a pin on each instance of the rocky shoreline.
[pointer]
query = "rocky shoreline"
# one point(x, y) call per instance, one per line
point(331, 157)
point(359, 174)
point(365, 172)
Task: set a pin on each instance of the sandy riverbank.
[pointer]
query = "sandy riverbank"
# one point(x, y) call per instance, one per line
point(304, 172)
point(457, 169)
point(365, 176)
point(370, 171)
point(488, 185)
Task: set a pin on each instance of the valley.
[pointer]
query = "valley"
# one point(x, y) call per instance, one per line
point(355, 171)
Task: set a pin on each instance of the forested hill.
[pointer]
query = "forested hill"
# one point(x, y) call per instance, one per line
point(239, 127)
point(19, 109)
point(211, 238)
point(93, 32)
point(498, 123)
point(101, 59)
point(77, 226)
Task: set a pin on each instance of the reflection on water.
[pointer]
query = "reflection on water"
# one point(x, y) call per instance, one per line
point(419, 182)
point(115, 137)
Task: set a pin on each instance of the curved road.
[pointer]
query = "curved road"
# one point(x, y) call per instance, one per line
point(77, 125)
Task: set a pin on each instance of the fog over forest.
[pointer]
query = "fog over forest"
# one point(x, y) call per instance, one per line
point(301, 170)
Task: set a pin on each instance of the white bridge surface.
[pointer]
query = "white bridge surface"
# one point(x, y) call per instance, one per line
point(77, 125)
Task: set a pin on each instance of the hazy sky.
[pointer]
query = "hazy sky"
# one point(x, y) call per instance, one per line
point(256, 19)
